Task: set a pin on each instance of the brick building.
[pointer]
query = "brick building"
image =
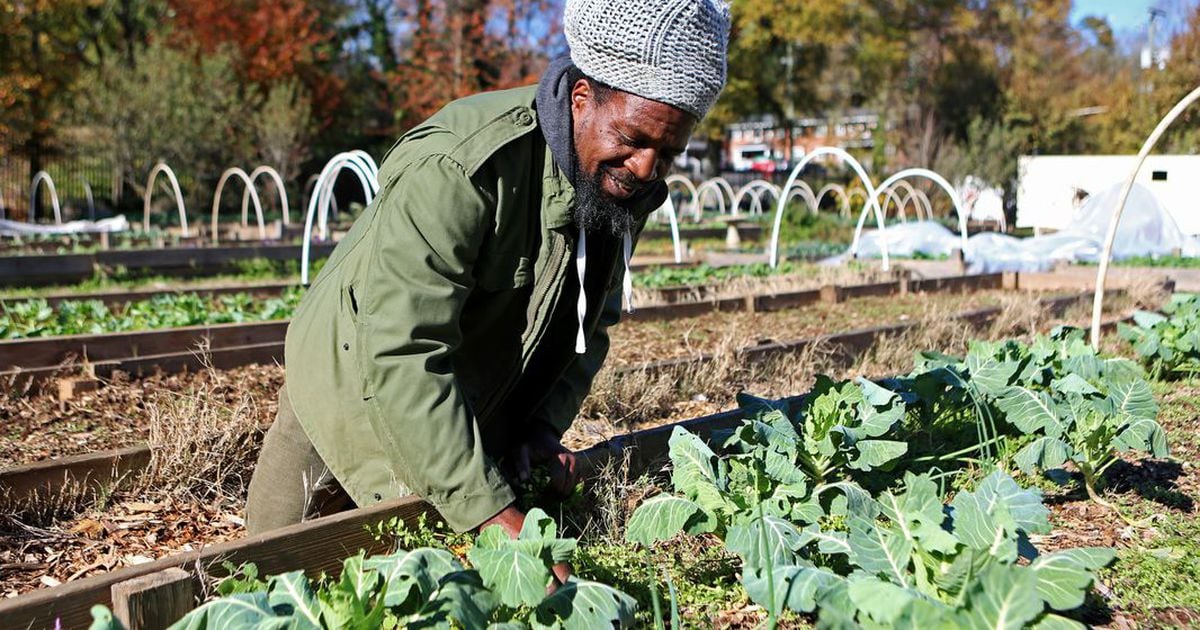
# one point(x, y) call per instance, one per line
point(762, 144)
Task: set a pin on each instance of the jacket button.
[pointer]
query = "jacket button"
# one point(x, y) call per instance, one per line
point(345, 346)
point(522, 117)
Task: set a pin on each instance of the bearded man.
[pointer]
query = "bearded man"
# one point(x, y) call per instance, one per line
point(462, 319)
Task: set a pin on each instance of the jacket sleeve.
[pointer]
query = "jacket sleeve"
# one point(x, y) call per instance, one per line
point(432, 222)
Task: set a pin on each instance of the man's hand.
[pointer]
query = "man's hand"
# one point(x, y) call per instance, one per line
point(511, 520)
point(544, 447)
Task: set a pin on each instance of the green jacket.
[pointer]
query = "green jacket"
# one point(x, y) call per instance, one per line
point(445, 320)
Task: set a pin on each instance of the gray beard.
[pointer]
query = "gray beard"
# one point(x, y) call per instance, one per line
point(596, 211)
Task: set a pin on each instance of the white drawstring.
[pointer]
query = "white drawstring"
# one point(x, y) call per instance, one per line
point(581, 305)
point(581, 270)
point(627, 289)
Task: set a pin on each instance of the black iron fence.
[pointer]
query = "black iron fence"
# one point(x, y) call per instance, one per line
point(86, 188)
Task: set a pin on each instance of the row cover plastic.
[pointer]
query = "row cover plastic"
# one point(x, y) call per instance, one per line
point(1146, 229)
point(21, 228)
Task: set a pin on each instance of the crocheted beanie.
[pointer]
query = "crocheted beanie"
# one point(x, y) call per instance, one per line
point(672, 51)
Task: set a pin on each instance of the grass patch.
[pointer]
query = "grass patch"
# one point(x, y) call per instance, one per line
point(1162, 574)
point(1157, 578)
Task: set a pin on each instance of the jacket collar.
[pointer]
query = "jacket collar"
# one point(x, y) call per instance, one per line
point(558, 195)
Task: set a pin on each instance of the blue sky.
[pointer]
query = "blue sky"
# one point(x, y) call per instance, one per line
point(1129, 15)
point(1121, 14)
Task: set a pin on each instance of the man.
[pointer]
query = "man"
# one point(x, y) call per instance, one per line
point(460, 322)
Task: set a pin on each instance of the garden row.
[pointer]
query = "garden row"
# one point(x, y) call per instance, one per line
point(204, 430)
point(56, 314)
point(25, 271)
point(70, 259)
point(134, 523)
point(867, 502)
point(230, 345)
point(101, 468)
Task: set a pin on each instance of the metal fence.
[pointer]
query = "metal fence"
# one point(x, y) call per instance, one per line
point(86, 188)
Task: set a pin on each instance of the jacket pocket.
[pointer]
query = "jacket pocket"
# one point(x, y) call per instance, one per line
point(504, 276)
point(349, 335)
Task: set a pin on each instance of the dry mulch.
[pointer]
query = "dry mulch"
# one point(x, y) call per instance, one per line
point(123, 533)
point(639, 342)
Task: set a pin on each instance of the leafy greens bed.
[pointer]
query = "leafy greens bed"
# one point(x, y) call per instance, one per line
point(662, 277)
point(36, 318)
point(1168, 343)
point(423, 588)
point(832, 511)
point(861, 503)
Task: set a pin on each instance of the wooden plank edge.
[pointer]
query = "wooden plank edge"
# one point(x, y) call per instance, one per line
point(220, 358)
point(88, 471)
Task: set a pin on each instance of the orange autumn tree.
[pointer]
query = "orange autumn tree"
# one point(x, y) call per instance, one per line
point(275, 41)
point(454, 48)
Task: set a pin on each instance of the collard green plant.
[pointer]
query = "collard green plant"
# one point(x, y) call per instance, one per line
point(898, 559)
point(1056, 398)
point(914, 563)
point(1073, 420)
point(505, 586)
point(776, 466)
point(1168, 343)
point(841, 426)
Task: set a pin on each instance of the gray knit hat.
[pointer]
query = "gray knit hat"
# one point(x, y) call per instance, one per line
point(672, 51)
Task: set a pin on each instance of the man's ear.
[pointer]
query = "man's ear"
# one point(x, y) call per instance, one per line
point(581, 96)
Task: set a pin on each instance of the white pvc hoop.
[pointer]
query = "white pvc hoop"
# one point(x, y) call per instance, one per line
point(945, 185)
point(310, 188)
point(893, 199)
point(755, 189)
point(362, 171)
point(1106, 253)
point(691, 188)
point(805, 192)
point(840, 193)
point(216, 205)
point(91, 201)
point(43, 176)
point(856, 192)
point(323, 194)
point(162, 167)
point(871, 202)
point(366, 160)
point(719, 186)
point(669, 206)
point(909, 198)
point(323, 191)
point(282, 194)
point(922, 201)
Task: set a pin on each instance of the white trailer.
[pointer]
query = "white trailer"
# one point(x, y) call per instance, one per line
point(1051, 187)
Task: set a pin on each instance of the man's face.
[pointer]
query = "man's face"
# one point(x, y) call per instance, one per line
point(622, 145)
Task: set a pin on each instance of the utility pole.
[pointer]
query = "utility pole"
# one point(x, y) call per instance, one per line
point(789, 105)
point(1150, 55)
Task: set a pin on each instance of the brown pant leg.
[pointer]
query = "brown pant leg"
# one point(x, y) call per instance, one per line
point(291, 483)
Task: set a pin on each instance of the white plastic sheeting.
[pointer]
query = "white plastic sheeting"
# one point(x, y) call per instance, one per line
point(1146, 229)
point(16, 228)
point(907, 239)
